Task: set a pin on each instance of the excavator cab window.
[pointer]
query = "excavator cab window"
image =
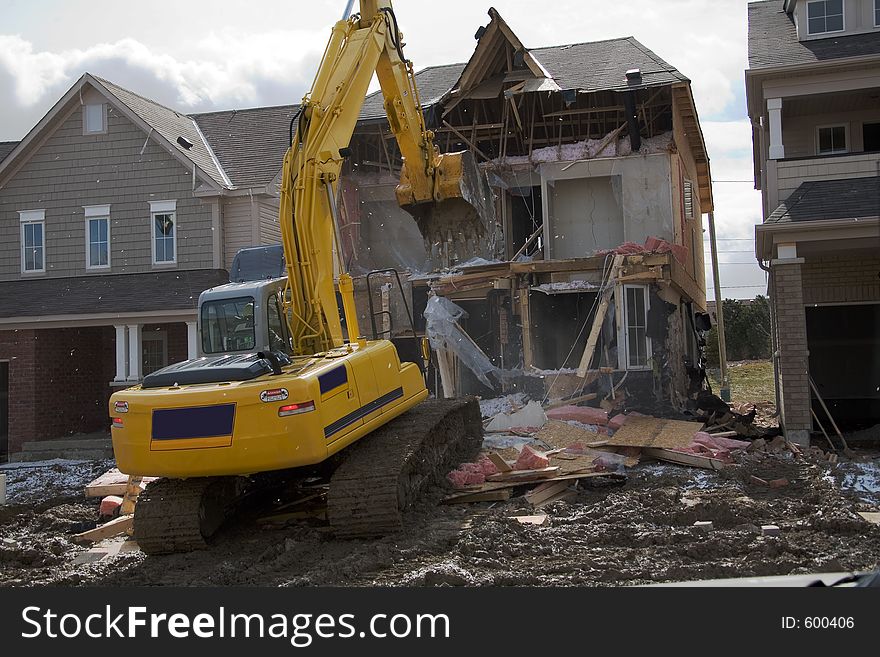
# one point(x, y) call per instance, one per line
point(277, 332)
point(228, 325)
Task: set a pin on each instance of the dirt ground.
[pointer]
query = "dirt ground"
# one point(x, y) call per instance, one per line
point(638, 532)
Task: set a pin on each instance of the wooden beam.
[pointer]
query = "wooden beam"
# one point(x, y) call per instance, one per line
point(115, 527)
point(467, 141)
point(599, 318)
point(526, 318)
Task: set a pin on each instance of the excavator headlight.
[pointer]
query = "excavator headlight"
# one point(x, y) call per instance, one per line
point(296, 409)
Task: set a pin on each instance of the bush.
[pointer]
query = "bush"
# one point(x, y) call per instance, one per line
point(747, 329)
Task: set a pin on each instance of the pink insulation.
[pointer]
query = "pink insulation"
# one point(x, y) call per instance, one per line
point(583, 414)
point(529, 459)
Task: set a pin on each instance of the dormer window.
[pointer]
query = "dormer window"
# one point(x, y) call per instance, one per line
point(94, 119)
point(825, 16)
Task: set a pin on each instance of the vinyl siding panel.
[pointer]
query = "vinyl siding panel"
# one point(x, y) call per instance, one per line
point(71, 170)
point(270, 229)
point(238, 227)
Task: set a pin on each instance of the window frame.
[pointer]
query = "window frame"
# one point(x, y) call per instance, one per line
point(29, 218)
point(103, 130)
point(842, 17)
point(876, 13)
point(831, 126)
point(160, 336)
point(97, 213)
point(688, 192)
point(623, 330)
point(163, 208)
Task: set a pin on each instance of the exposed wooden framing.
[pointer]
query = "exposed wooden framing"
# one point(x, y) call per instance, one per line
point(531, 239)
point(481, 126)
point(532, 127)
point(599, 318)
point(468, 142)
point(516, 113)
point(586, 110)
point(387, 155)
point(525, 316)
point(447, 377)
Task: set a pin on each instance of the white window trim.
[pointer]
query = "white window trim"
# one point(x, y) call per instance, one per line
point(103, 130)
point(688, 191)
point(842, 13)
point(97, 212)
point(846, 148)
point(26, 217)
point(623, 333)
point(163, 207)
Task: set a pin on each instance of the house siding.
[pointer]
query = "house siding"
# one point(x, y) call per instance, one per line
point(71, 170)
point(270, 228)
point(238, 227)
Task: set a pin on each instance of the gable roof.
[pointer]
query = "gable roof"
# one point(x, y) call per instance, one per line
point(158, 122)
point(250, 143)
point(852, 198)
point(171, 124)
point(773, 40)
point(433, 83)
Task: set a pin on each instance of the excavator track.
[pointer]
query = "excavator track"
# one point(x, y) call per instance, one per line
point(385, 472)
point(179, 515)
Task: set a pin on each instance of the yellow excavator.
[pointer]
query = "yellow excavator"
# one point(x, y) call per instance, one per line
point(281, 383)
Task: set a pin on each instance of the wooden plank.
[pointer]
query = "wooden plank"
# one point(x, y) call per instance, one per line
point(115, 527)
point(112, 482)
point(570, 264)
point(683, 458)
point(574, 400)
point(871, 516)
point(500, 463)
point(539, 520)
point(515, 475)
point(494, 485)
point(639, 431)
point(562, 434)
point(132, 490)
point(497, 495)
point(599, 320)
point(526, 319)
point(545, 491)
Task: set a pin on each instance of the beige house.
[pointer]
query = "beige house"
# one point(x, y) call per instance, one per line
point(813, 87)
point(116, 212)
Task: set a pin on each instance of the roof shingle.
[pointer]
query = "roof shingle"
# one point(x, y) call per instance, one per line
point(433, 83)
point(851, 198)
point(115, 293)
point(6, 147)
point(249, 143)
point(773, 40)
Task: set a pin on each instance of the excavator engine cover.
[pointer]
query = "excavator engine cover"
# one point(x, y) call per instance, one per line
point(463, 208)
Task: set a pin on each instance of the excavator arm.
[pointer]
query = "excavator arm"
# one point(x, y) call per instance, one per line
point(446, 194)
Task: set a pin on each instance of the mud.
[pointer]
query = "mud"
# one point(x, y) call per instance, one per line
point(636, 533)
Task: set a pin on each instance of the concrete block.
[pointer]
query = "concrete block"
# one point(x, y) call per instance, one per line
point(770, 530)
point(704, 525)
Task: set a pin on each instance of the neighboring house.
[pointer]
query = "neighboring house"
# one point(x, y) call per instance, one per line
point(587, 146)
point(115, 214)
point(813, 87)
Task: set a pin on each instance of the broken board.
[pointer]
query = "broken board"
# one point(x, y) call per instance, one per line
point(683, 458)
point(121, 525)
point(639, 431)
point(112, 482)
point(498, 495)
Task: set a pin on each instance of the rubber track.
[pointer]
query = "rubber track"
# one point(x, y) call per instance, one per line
point(388, 469)
point(168, 515)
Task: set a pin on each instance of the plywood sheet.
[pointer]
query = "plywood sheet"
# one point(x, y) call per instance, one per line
point(557, 433)
point(655, 432)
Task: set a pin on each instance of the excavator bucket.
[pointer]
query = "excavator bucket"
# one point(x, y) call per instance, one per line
point(463, 209)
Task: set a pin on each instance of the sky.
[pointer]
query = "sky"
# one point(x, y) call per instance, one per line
point(200, 56)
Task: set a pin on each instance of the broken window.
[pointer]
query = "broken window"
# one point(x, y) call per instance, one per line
point(635, 308)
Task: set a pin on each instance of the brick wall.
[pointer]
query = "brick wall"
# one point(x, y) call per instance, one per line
point(18, 348)
point(841, 279)
point(792, 332)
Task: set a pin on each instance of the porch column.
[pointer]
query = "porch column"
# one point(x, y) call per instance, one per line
point(192, 349)
point(774, 109)
point(791, 323)
point(135, 352)
point(121, 353)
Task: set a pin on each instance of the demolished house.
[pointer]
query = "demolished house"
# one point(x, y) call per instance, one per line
point(591, 281)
